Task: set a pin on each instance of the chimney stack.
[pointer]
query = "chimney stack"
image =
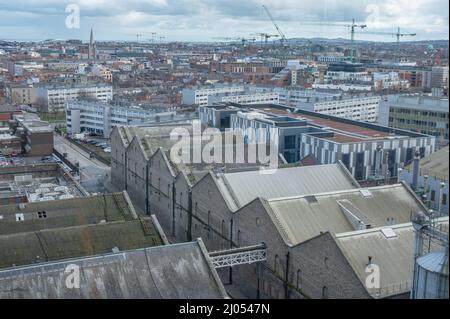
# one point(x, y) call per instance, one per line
point(416, 169)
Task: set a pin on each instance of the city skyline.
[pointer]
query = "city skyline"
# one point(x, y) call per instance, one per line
point(203, 20)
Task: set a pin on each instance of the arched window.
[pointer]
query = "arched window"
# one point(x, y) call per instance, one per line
point(239, 238)
point(275, 264)
point(299, 279)
point(324, 292)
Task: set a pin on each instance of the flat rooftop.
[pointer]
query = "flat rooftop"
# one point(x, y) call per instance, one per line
point(435, 164)
point(345, 130)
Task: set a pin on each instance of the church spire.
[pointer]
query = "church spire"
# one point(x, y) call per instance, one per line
point(91, 42)
point(92, 55)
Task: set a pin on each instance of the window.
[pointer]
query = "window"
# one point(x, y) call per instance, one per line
point(346, 160)
point(275, 264)
point(239, 238)
point(324, 292)
point(444, 199)
point(433, 196)
point(325, 261)
point(42, 214)
point(289, 142)
point(299, 279)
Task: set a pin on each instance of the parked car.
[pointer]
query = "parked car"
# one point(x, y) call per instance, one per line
point(3, 161)
point(107, 150)
point(13, 154)
point(17, 161)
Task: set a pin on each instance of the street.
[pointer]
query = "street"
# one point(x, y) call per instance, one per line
point(94, 175)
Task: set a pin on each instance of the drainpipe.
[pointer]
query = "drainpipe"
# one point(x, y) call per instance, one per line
point(147, 200)
point(173, 208)
point(189, 226)
point(231, 247)
point(126, 171)
point(286, 280)
point(441, 194)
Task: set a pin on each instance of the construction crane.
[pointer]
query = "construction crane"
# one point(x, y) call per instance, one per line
point(283, 37)
point(353, 26)
point(153, 36)
point(243, 40)
point(138, 35)
point(398, 35)
point(265, 37)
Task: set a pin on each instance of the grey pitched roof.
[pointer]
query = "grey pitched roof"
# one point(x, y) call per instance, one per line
point(240, 188)
point(303, 217)
point(65, 213)
point(53, 244)
point(180, 271)
point(393, 255)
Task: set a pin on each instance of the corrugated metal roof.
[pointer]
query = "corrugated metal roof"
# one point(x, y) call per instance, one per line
point(301, 218)
point(240, 188)
point(64, 213)
point(164, 272)
point(436, 261)
point(393, 256)
point(72, 242)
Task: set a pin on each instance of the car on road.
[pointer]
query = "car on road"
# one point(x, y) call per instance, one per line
point(102, 145)
point(47, 159)
point(13, 154)
point(17, 161)
point(3, 161)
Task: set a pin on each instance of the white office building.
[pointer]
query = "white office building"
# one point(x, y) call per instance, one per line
point(199, 96)
point(54, 98)
point(101, 118)
point(361, 107)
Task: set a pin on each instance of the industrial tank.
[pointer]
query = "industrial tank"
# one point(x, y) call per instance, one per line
point(432, 275)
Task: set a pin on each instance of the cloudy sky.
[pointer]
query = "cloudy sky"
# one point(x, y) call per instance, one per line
point(201, 20)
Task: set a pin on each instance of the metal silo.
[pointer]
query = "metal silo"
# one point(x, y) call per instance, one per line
point(432, 275)
point(430, 264)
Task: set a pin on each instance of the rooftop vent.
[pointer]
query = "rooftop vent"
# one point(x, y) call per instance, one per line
point(366, 193)
point(388, 232)
point(311, 199)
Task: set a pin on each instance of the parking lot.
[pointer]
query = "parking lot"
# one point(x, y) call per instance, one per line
point(98, 146)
